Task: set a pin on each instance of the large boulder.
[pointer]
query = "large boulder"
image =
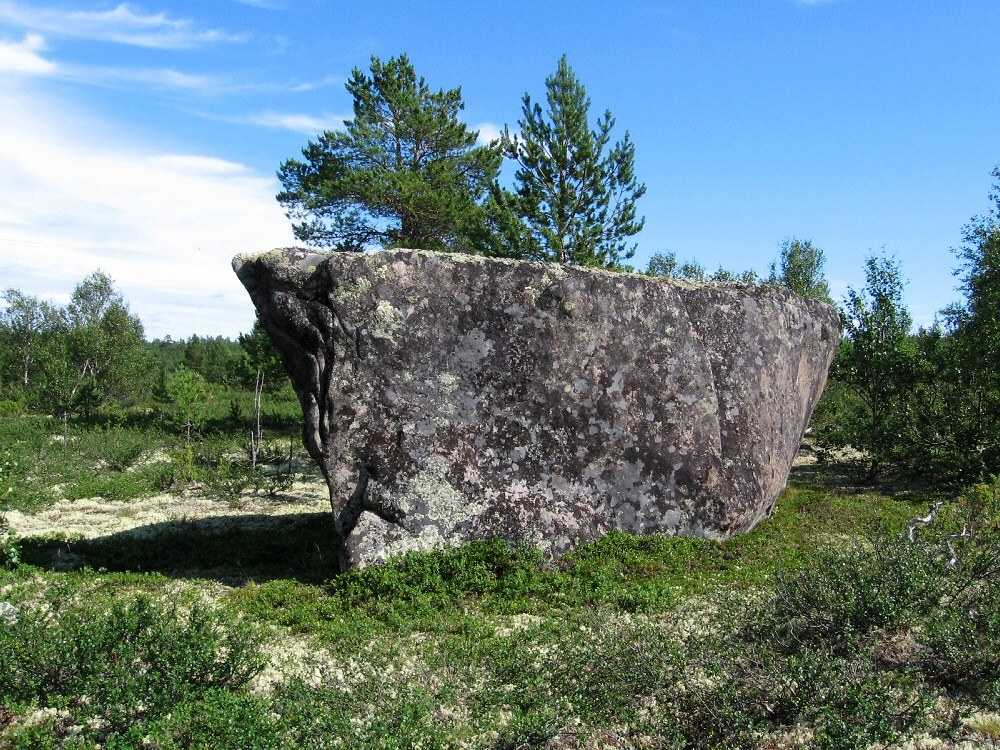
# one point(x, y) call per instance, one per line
point(455, 397)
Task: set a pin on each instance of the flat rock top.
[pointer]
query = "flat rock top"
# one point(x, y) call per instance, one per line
point(298, 260)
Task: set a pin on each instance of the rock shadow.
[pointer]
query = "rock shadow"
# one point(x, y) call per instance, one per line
point(233, 550)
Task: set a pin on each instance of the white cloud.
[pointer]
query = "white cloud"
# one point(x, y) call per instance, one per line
point(263, 4)
point(23, 57)
point(78, 196)
point(173, 80)
point(206, 165)
point(488, 132)
point(156, 78)
point(121, 24)
point(317, 84)
point(307, 124)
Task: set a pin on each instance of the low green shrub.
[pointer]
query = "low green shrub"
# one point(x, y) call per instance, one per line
point(377, 713)
point(120, 486)
point(10, 408)
point(10, 547)
point(111, 669)
point(440, 576)
point(19, 490)
point(842, 595)
point(217, 720)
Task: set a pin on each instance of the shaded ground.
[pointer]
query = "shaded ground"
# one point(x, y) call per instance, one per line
point(187, 536)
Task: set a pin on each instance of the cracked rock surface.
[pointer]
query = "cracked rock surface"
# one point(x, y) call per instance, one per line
point(450, 397)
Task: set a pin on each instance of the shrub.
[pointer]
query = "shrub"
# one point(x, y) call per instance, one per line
point(112, 670)
point(17, 490)
point(119, 486)
point(121, 449)
point(844, 594)
point(423, 582)
point(10, 548)
point(218, 719)
point(10, 408)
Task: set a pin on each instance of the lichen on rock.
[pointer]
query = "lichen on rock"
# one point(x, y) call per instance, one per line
point(449, 397)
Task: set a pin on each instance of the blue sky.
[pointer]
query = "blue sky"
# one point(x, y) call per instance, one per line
point(143, 138)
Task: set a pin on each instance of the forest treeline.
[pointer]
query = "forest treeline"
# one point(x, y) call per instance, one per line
point(89, 361)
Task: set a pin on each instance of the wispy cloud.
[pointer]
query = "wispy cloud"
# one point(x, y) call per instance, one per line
point(317, 84)
point(264, 4)
point(24, 57)
point(121, 24)
point(163, 224)
point(156, 78)
point(299, 123)
point(176, 80)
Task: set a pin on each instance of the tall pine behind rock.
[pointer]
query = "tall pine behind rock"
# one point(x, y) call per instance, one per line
point(404, 172)
point(575, 194)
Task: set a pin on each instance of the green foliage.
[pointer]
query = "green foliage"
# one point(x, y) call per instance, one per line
point(22, 444)
point(429, 580)
point(877, 363)
point(843, 595)
point(260, 356)
point(378, 713)
point(575, 193)
point(975, 345)
point(928, 403)
point(218, 720)
point(488, 646)
point(105, 345)
point(10, 548)
point(979, 272)
point(114, 669)
point(949, 429)
point(404, 171)
point(231, 477)
point(27, 327)
point(120, 486)
point(215, 358)
point(928, 610)
point(78, 358)
point(189, 396)
point(169, 353)
point(800, 268)
point(667, 264)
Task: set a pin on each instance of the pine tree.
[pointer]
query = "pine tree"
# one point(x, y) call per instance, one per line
point(404, 172)
point(574, 193)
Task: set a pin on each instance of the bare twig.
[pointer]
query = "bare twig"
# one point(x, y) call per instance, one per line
point(255, 434)
point(911, 525)
point(966, 534)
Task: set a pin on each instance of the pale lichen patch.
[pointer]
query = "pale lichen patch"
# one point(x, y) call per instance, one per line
point(386, 321)
point(433, 507)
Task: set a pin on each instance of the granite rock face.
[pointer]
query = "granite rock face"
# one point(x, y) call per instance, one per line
point(450, 397)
